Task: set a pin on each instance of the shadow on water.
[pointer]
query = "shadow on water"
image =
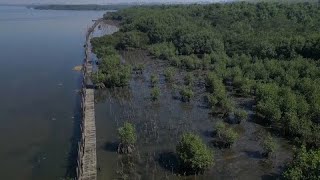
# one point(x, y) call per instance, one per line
point(169, 161)
point(254, 154)
point(270, 176)
point(208, 134)
point(219, 144)
point(111, 146)
point(75, 139)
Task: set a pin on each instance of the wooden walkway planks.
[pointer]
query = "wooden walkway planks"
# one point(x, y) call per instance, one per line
point(87, 157)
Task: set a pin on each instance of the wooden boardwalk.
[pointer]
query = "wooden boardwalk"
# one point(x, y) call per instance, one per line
point(87, 157)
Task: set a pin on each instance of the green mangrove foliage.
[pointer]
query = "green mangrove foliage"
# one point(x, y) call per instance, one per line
point(155, 93)
point(189, 79)
point(169, 74)
point(112, 73)
point(269, 145)
point(128, 138)
point(186, 93)
point(226, 136)
point(194, 155)
point(306, 165)
point(138, 68)
point(218, 99)
point(241, 115)
point(270, 51)
point(264, 49)
point(163, 50)
point(154, 79)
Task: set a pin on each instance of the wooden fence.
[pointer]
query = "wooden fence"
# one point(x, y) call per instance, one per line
point(87, 158)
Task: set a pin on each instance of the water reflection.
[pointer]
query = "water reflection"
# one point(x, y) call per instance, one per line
point(39, 109)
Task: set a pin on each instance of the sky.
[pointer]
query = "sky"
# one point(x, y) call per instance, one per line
point(93, 1)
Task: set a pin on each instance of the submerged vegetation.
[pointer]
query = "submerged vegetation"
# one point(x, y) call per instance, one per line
point(268, 52)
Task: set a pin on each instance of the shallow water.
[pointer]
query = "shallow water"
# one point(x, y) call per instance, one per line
point(38, 109)
point(160, 124)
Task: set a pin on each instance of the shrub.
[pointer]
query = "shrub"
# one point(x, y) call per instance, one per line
point(112, 72)
point(241, 115)
point(138, 68)
point(230, 136)
point(133, 40)
point(98, 79)
point(219, 127)
point(155, 93)
point(175, 61)
point(169, 73)
point(186, 93)
point(246, 86)
point(191, 62)
point(306, 165)
point(212, 100)
point(206, 62)
point(163, 50)
point(226, 104)
point(127, 136)
point(269, 145)
point(194, 155)
point(215, 85)
point(103, 51)
point(154, 79)
point(105, 45)
point(243, 85)
point(188, 79)
point(226, 136)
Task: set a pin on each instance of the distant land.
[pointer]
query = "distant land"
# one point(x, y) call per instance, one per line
point(82, 7)
point(118, 6)
point(285, 1)
point(99, 7)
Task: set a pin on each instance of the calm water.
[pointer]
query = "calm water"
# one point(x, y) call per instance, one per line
point(38, 50)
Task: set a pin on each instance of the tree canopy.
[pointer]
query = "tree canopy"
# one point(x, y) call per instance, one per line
point(306, 165)
point(269, 51)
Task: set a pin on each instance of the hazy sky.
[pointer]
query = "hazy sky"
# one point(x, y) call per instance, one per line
point(90, 1)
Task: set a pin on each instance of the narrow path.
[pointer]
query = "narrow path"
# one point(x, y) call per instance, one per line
point(87, 157)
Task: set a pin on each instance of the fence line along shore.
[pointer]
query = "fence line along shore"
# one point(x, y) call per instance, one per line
point(87, 157)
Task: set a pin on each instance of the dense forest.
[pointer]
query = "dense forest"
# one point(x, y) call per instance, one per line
point(268, 51)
